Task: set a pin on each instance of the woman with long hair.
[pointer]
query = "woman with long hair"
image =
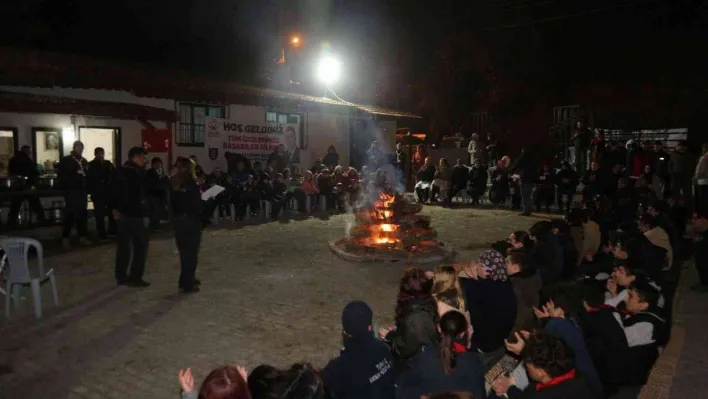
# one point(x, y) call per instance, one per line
point(446, 366)
point(448, 294)
point(227, 382)
point(187, 209)
point(416, 316)
point(443, 180)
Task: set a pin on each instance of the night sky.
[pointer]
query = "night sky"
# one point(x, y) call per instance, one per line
point(440, 57)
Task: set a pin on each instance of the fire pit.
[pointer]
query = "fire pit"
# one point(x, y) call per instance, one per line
point(390, 229)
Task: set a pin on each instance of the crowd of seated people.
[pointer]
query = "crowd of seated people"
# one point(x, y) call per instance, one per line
point(575, 307)
point(255, 190)
point(651, 171)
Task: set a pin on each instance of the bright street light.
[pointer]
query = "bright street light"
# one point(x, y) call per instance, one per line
point(329, 71)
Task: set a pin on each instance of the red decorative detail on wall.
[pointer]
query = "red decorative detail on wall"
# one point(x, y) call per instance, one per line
point(157, 140)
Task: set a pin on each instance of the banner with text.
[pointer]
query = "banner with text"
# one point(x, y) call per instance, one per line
point(255, 141)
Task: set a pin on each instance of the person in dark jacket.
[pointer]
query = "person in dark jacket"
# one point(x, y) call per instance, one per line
point(477, 181)
point(129, 209)
point(595, 181)
point(545, 189)
point(23, 165)
point(416, 318)
point(401, 159)
point(364, 368)
point(331, 159)
point(567, 180)
point(72, 179)
point(187, 207)
point(99, 180)
point(526, 169)
point(424, 179)
point(279, 159)
point(552, 369)
point(660, 165)
point(527, 285)
point(682, 166)
point(458, 181)
point(582, 137)
point(156, 182)
point(490, 300)
point(560, 318)
point(548, 252)
point(449, 366)
point(604, 336)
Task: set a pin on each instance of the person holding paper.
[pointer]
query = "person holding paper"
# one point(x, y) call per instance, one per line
point(187, 205)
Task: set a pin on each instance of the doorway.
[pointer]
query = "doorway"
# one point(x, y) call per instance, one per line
point(8, 148)
point(107, 138)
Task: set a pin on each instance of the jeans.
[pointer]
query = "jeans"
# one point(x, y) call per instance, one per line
point(526, 201)
point(75, 213)
point(188, 235)
point(132, 239)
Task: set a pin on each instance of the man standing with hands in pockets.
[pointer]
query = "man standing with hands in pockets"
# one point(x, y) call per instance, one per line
point(129, 211)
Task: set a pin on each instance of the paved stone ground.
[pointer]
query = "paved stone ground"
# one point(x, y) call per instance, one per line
point(272, 293)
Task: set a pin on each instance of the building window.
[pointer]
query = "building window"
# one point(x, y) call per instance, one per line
point(191, 122)
point(277, 117)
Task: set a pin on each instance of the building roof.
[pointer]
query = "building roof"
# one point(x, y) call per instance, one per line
point(19, 102)
point(36, 68)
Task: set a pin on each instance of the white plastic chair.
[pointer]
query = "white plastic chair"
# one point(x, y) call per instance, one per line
point(17, 251)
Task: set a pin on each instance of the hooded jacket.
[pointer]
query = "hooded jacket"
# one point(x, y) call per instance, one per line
point(363, 370)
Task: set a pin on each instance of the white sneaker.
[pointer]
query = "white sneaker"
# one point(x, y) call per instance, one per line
point(65, 243)
point(85, 241)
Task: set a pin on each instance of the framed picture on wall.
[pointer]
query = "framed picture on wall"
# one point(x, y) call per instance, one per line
point(51, 141)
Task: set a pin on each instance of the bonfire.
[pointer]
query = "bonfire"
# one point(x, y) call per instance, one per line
point(390, 228)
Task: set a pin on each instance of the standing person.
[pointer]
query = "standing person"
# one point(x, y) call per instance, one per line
point(156, 183)
point(682, 167)
point(331, 159)
point(460, 174)
point(598, 147)
point(129, 209)
point(100, 176)
point(491, 150)
point(526, 169)
point(401, 159)
point(374, 156)
point(473, 148)
point(661, 166)
point(364, 368)
point(279, 159)
point(581, 143)
point(72, 178)
point(187, 206)
point(23, 165)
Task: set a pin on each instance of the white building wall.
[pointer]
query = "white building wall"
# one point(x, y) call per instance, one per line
point(321, 131)
point(131, 130)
